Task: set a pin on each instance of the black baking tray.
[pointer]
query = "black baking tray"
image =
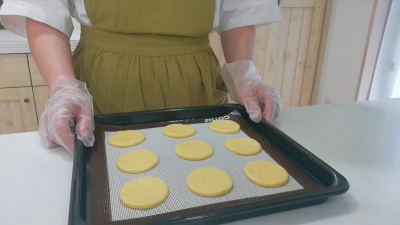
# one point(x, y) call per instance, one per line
point(333, 183)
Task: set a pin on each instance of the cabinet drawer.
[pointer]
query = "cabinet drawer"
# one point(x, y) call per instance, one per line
point(37, 79)
point(14, 71)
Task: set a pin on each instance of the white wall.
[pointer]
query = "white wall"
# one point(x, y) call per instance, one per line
point(347, 37)
point(386, 82)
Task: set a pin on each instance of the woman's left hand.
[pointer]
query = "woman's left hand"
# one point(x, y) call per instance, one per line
point(246, 87)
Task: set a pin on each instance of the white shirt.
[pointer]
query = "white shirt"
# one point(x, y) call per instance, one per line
point(58, 14)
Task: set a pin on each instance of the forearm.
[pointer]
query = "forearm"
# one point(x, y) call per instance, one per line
point(50, 49)
point(238, 43)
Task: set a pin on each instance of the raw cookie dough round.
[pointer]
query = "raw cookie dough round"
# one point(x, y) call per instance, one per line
point(266, 174)
point(137, 161)
point(144, 193)
point(193, 150)
point(209, 182)
point(127, 138)
point(179, 131)
point(243, 146)
point(224, 126)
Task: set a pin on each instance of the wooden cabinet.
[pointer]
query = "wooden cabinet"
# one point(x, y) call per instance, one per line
point(17, 110)
point(22, 94)
point(286, 52)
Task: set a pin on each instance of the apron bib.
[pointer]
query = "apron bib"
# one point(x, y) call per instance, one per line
point(149, 54)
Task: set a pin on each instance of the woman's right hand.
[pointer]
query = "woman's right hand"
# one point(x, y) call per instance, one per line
point(70, 103)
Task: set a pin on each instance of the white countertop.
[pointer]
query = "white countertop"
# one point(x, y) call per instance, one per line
point(360, 140)
point(13, 44)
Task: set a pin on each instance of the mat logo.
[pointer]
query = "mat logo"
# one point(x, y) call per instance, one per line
point(219, 118)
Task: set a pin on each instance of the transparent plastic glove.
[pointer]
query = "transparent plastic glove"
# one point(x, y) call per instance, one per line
point(246, 87)
point(70, 103)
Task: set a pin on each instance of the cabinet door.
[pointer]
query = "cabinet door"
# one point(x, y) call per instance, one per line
point(17, 110)
point(41, 95)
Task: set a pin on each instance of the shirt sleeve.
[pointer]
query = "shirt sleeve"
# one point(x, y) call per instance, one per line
point(239, 13)
point(55, 13)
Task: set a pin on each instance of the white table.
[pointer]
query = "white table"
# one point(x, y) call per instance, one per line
point(360, 140)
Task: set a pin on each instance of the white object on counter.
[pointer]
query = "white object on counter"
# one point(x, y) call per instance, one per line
point(13, 44)
point(360, 140)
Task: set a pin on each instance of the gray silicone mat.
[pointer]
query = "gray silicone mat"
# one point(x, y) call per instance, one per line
point(174, 170)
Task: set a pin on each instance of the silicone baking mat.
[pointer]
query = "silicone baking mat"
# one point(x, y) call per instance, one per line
point(174, 170)
point(98, 198)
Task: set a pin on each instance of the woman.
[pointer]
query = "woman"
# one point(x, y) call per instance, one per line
point(137, 55)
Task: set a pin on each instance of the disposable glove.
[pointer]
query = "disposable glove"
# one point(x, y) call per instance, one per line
point(245, 86)
point(70, 104)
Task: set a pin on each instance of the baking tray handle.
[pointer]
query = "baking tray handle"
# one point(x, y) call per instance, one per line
point(79, 214)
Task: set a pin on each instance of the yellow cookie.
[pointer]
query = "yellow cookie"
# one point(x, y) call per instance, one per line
point(243, 146)
point(266, 174)
point(209, 182)
point(193, 150)
point(224, 126)
point(144, 193)
point(137, 161)
point(179, 131)
point(127, 138)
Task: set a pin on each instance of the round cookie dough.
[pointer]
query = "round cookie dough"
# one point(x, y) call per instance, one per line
point(243, 146)
point(127, 138)
point(194, 150)
point(224, 126)
point(137, 161)
point(179, 131)
point(144, 193)
point(266, 174)
point(209, 182)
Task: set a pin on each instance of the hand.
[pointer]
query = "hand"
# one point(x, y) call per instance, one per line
point(246, 87)
point(261, 101)
point(70, 101)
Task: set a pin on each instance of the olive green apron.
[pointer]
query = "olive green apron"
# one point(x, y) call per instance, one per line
point(148, 55)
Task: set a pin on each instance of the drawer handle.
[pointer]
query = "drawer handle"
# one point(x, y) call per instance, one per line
point(26, 100)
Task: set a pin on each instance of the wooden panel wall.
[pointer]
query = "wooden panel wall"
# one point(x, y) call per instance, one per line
point(287, 51)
